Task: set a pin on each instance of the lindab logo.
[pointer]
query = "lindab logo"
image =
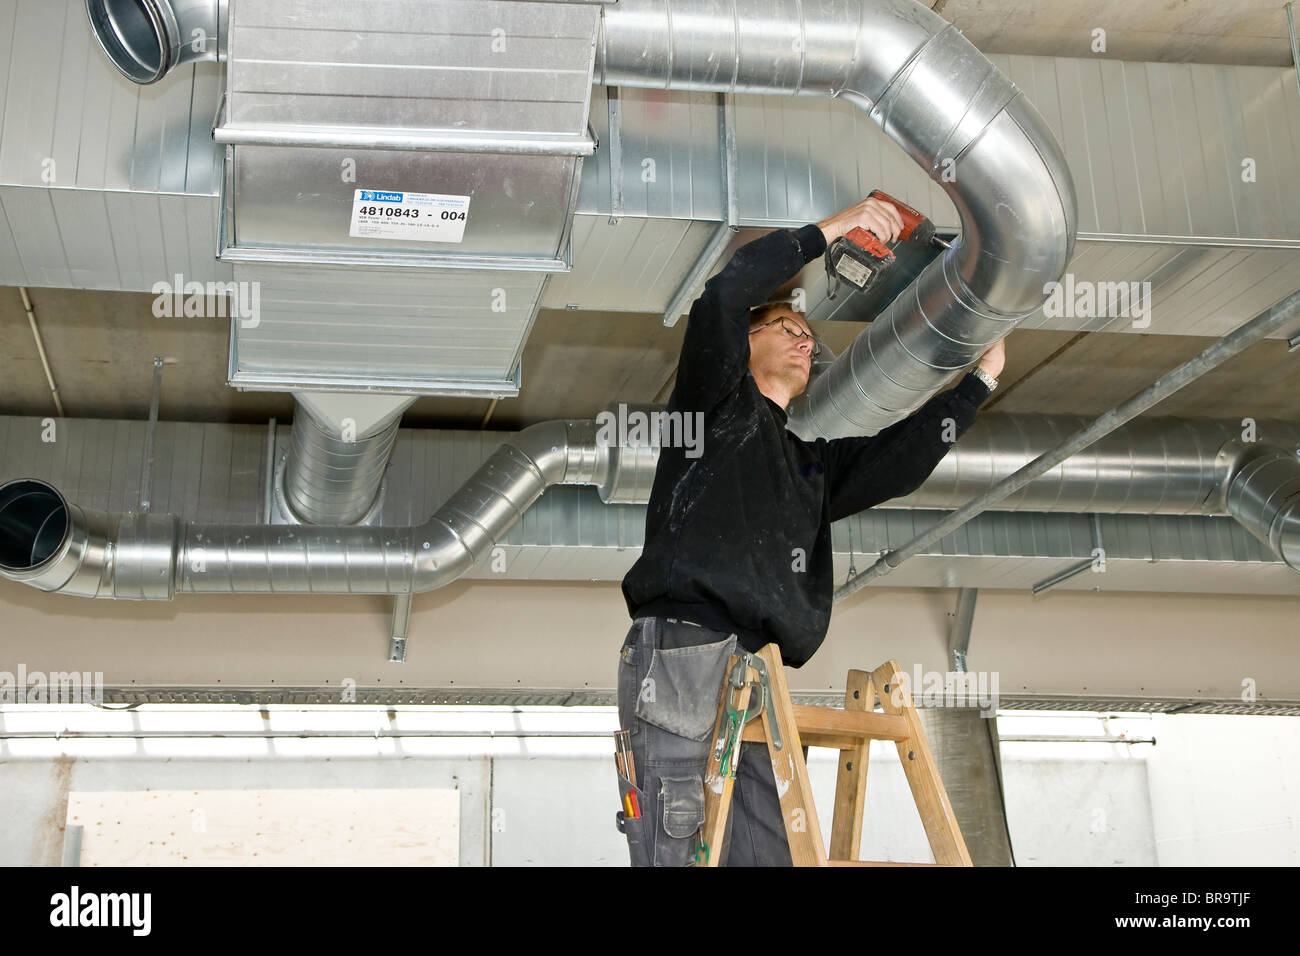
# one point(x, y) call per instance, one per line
point(75, 908)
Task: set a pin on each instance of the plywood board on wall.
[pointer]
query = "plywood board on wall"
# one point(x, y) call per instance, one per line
point(267, 827)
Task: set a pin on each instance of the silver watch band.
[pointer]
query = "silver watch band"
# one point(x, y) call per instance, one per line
point(985, 377)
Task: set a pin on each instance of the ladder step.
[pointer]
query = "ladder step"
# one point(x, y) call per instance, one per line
point(843, 725)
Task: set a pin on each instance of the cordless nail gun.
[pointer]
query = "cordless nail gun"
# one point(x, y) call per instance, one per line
point(862, 259)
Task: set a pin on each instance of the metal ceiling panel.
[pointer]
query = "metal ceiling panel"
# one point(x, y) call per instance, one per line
point(103, 184)
point(669, 154)
point(1156, 150)
point(626, 265)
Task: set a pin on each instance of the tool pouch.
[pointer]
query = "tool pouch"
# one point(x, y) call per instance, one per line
point(633, 827)
point(681, 805)
point(681, 690)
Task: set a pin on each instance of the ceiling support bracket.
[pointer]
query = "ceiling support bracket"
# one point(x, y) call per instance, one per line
point(959, 634)
point(401, 625)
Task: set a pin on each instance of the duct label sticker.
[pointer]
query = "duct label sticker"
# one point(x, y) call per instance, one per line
point(427, 217)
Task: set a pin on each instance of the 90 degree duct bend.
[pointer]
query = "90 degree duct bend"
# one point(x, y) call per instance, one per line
point(54, 545)
point(951, 111)
point(1262, 492)
point(147, 39)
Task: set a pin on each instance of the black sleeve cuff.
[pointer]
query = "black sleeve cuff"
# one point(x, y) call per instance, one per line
point(812, 241)
point(972, 388)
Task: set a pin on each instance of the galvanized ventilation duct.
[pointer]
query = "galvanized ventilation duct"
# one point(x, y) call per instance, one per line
point(53, 545)
point(335, 464)
point(948, 107)
point(928, 88)
point(1156, 465)
point(1148, 466)
point(1264, 495)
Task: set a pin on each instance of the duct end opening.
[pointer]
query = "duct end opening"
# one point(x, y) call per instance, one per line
point(33, 525)
point(133, 35)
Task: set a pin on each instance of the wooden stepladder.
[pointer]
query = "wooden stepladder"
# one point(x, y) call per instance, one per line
point(755, 686)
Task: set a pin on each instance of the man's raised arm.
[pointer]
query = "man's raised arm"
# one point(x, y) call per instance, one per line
point(863, 472)
point(715, 350)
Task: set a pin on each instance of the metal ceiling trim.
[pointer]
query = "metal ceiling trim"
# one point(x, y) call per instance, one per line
point(442, 141)
point(288, 255)
point(447, 388)
point(1211, 241)
point(373, 695)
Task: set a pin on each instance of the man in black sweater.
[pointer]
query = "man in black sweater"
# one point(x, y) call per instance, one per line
point(737, 546)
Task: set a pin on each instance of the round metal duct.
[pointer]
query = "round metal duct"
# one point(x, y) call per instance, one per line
point(147, 39)
point(33, 523)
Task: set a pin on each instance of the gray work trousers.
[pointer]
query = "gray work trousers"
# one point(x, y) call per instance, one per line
point(670, 676)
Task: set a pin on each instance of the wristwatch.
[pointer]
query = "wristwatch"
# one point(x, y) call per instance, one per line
point(985, 377)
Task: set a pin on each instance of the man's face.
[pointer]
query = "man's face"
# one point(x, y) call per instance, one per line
point(777, 354)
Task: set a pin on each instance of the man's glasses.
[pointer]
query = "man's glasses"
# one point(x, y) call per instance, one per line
point(793, 332)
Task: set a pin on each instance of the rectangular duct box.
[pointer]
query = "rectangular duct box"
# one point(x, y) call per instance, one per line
point(486, 99)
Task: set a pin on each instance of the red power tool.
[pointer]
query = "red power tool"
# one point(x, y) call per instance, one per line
point(862, 259)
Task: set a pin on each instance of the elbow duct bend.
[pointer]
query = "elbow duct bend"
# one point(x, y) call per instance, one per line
point(54, 545)
point(947, 107)
point(147, 39)
point(1263, 493)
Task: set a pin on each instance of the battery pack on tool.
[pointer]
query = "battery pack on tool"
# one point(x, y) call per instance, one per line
point(862, 259)
point(858, 258)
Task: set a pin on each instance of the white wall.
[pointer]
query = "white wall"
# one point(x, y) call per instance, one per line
point(566, 635)
point(1213, 790)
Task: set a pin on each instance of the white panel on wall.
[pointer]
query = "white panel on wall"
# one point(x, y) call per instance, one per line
point(267, 827)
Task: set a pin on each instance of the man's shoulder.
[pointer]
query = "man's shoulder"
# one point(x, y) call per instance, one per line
point(744, 393)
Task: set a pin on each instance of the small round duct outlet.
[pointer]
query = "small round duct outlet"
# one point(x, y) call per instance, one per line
point(147, 39)
point(33, 524)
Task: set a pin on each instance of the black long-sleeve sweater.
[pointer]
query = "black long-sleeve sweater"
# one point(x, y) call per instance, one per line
point(738, 535)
